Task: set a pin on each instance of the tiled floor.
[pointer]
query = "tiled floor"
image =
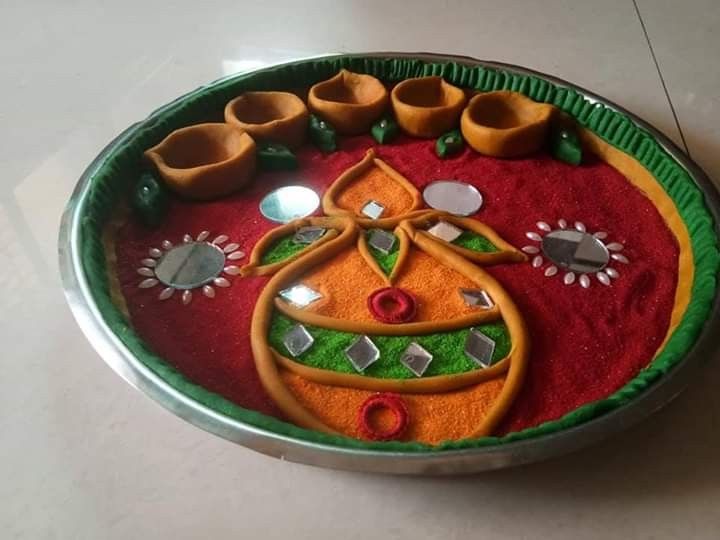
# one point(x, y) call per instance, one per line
point(85, 456)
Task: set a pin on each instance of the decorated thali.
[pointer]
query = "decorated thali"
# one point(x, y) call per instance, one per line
point(397, 263)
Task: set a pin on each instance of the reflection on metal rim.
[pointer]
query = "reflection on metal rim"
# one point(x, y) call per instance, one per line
point(122, 361)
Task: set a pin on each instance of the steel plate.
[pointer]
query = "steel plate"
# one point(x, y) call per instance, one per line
point(113, 351)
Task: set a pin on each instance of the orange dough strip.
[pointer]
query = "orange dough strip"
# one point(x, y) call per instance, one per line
point(362, 247)
point(403, 253)
point(383, 329)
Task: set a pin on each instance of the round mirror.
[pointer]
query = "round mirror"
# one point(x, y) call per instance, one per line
point(288, 203)
point(457, 198)
point(190, 265)
point(575, 250)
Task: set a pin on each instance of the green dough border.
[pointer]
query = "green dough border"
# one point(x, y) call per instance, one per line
point(111, 182)
point(447, 349)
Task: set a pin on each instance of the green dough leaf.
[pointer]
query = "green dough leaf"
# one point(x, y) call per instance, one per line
point(386, 261)
point(149, 200)
point(449, 144)
point(447, 348)
point(276, 157)
point(566, 146)
point(322, 134)
point(385, 131)
point(475, 242)
point(282, 249)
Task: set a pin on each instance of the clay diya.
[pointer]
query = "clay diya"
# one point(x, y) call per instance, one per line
point(278, 117)
point(505, 124)
point(205, 161)
point(427, 107)
point(350, 102)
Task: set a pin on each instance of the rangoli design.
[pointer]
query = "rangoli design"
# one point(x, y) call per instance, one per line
point(433, 287)
point(424, 264)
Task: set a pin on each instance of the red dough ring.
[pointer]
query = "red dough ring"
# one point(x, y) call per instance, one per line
point(380, 401)
point(392, 305)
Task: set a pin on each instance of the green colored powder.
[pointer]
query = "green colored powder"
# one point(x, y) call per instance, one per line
point(474, 242)
point(281, 250)
point(385, 260)
point(447, 348)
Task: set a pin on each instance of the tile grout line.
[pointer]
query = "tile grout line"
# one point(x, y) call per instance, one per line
point(662, 79)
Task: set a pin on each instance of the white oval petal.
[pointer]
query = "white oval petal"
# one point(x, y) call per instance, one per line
point(532, 250)
point(543, 226)
point(147, 283)
point(236, 255)
point(603, 278)
point(562, 223)
point(612, 273)
point(166, 293)
point(232, 270)
point(615, 246)
point(166, 244)
point(151, 263)
point(221, 282)
point(187, 239)
point(208, 291)
point(186, 297)
point(620, 258)
point(584, 281)
point(569, 278)
point(202, 236)
point(600, 235)
point(220, 239)
point(580, 226)
point(155, 253)
point(537, 261)
point(230, 247)
point(551, 271)
point(147, 272)
point(533, 236)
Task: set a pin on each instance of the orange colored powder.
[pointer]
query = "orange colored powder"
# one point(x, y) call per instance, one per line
point(346, 282)
point(435, 287)
point(434, 418)
point(378, 186)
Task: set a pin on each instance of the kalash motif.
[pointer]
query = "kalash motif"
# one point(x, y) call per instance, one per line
point(384, 325)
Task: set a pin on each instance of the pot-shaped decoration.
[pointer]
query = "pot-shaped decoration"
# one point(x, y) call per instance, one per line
point(505, 124)
point(277, 117)
point(205, 161)
point(381, 305)
point(427, 107)
point(351, 102)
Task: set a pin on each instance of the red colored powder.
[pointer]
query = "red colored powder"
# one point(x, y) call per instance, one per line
point(585, 343)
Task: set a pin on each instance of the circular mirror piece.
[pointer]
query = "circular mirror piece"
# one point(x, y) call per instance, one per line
point(191, 265)
point(575, 250)
point(458, 198)
point(288, 203)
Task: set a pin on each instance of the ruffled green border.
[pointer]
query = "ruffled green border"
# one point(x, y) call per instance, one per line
point(111, 180)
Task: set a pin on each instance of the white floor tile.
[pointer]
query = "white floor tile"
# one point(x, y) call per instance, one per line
point(686, 39)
